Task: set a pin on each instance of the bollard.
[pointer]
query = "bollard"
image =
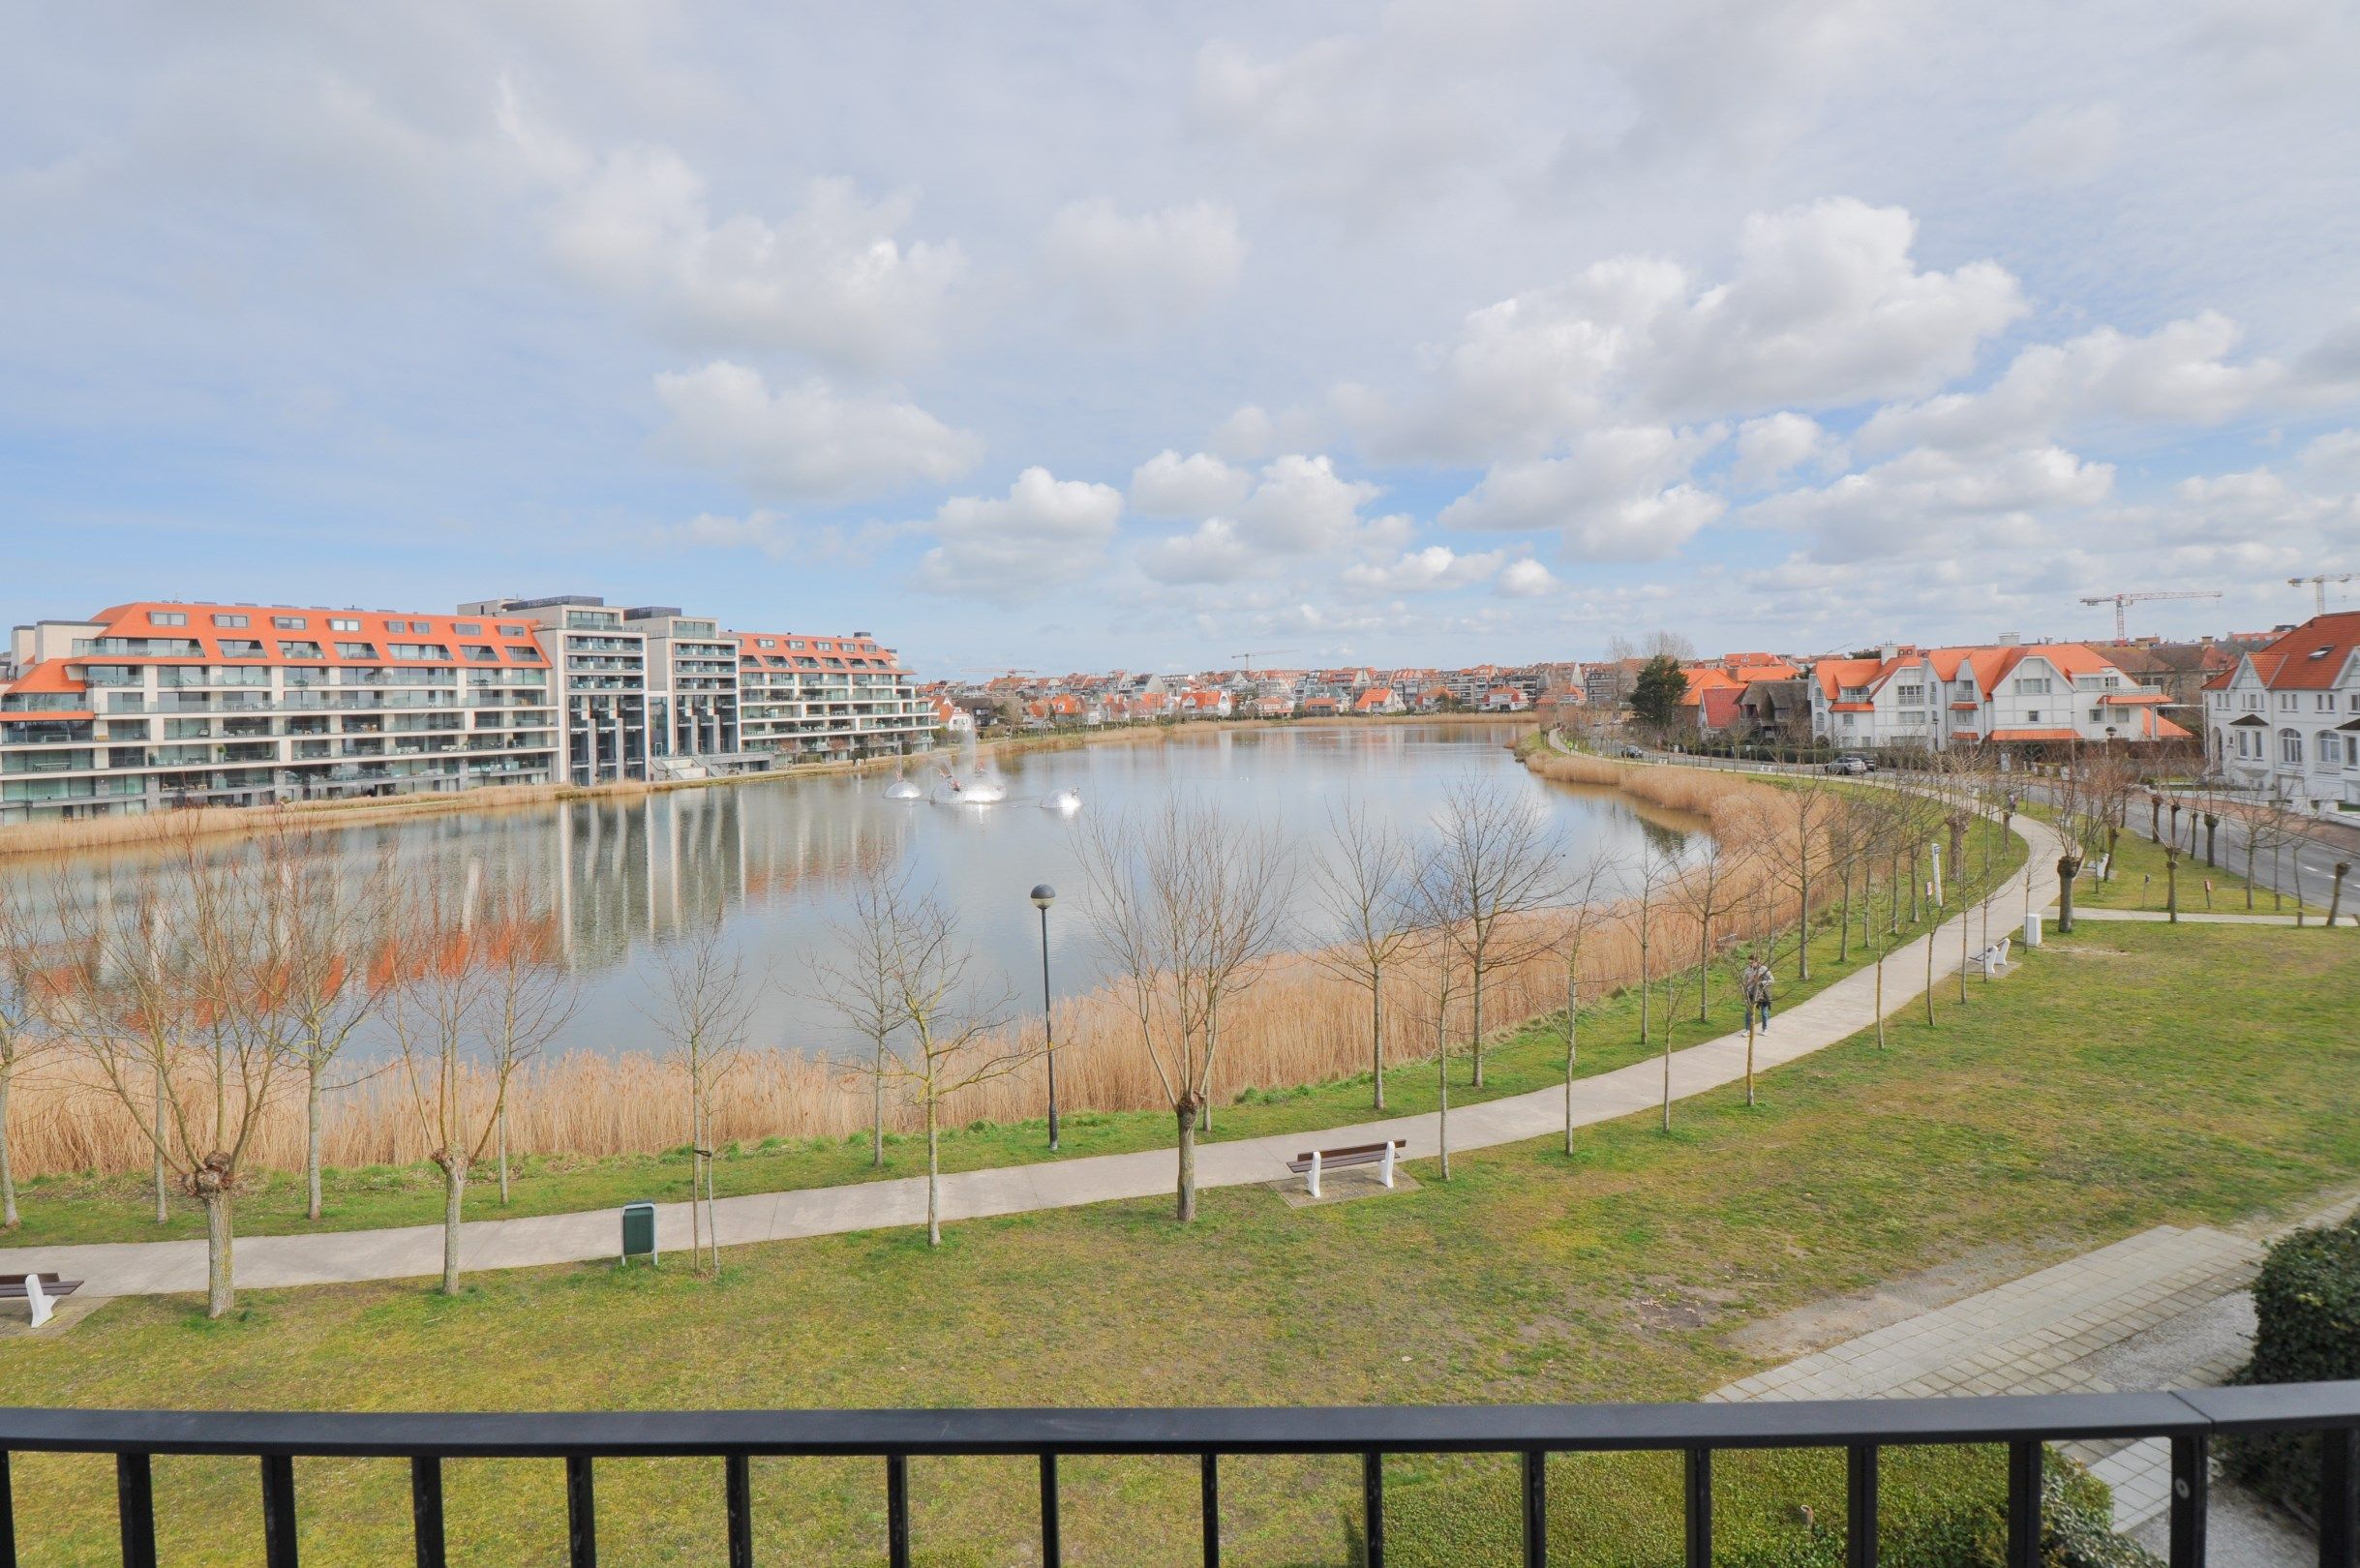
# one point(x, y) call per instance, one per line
point(1314, 1173)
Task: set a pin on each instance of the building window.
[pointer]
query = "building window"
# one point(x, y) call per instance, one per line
point(2289, 746)
point(2331, 748)
point(229, 621)
point(167, 617)
point(2031, 687)
point(343, 623)
point(356, 650)
point(516, 631)
point(241, 648)
point(464, 628)
point(2032, 715)
point(290, 622)
point(481, 654)
point(291, 650)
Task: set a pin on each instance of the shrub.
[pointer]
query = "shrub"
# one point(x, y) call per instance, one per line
point(2077, 1531)
point(2307, 1312)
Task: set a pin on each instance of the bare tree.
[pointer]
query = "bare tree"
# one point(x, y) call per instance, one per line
point(2082, 800)
point(435, 1013)
point(1436, 900)
point(855, 980)
point(1797, 849)
point(173, 991)
point(1582, 912)
point(1184, 903)
point(529, 997)
point(1498, 854)
point(21, 1037)
point(949, 1035)
point(1363, 886)
point(702, 1005)
point(329, 988)
point(1648, 878)
point(1704, 891)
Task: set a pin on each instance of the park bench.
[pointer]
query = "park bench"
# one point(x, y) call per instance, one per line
point(1993, 960)
point(37, 1289)
point(2096, 870)
point(1311, 1166)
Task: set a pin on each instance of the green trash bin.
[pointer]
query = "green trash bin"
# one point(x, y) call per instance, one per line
point(639, 1233)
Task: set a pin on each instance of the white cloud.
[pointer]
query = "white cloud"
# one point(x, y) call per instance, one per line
point(1149, 270)
point(1939, 504)
point(830, 279)
point(2334, 457)
point(1212, 553)
point(1047, 532)
point(1170, 485)
point(1245, 436)
point(1604, 495)
point(1825, 307)
point(2180, 373)
point(806, 440)
point(1526, 580)
point(1420, 571)
point(2067, 146)
point(1771, 447)
point(761, 529)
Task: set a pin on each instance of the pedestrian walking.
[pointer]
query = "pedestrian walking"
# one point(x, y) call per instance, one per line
point(1754, 986)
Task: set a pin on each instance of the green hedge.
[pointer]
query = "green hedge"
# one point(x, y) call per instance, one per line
point(2307, 1310)
point(2076, 1513)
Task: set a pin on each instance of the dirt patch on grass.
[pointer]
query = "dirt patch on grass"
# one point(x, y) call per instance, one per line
point(1838, 1319)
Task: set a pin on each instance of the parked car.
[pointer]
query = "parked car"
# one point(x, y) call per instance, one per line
point(1850, 763)
point(1633, 751)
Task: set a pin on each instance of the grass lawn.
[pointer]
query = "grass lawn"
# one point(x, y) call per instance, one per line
point(64, 1209)
point(2136, 880)
point(2122, 1077)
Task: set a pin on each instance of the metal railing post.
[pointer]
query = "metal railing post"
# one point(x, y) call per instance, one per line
point(1208, 1495)
point(135, 1510)
point(278, 1511)
point(1052, 1532)
point(738, 1489)
point(1860, 1506)
point(2190, 1500)
point(1372, 1509)
point(2024, 1504)
point(898, 1510)
point(2340, 1499)
point(1537, 1509)
point(426, 1509)
point(1698, 1488)
point(8, 1517)
point(581, 1513)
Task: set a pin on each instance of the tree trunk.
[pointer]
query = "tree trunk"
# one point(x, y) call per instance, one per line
point(1666, 1069)
point(1475, 1022)
point(934, 1209)
point(504, 1151)
point(1963, 924)
point(1442, 1060)
point(696, 1167)
point(221, 1294)
point(1879, 999)
point(311, 1141)
point(2298, 887)
point(2171, 887)
point(2068, 867)
point(2212, 840)
point(1802, 921)
point(1571, 1052)
point(1647, 974)
point(10, 1220)
point(1376, 1032)
point(163, 1211)
point(2335, 906)
point(1916, 884)
point(1186, 1114)
point(876, 1134)
point(1930, 934)
point(454, 1195)
point(1843, 925)
point(2250, 850)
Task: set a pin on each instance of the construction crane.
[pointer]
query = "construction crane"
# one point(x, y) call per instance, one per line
point(2120, 600)
point(1245, 660)
point(2320, 582)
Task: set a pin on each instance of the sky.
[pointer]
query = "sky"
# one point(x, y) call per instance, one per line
point(1083, 336)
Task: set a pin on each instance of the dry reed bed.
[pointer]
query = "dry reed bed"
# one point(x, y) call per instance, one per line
point(1300, 1023)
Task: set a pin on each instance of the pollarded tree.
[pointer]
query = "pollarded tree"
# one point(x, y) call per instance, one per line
point(1363, 885)
point(440, 986)
point(330, 921)
point(530, 995)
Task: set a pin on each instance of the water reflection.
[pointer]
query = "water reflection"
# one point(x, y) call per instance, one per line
point(772, 860)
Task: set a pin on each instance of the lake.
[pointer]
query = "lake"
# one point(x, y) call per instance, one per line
point(774, 858)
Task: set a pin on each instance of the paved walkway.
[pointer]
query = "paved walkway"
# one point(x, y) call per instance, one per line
point(2168, 1308)
point(1837, 1014)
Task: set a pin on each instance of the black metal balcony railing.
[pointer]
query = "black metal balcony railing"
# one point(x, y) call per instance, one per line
point(2190, 1419)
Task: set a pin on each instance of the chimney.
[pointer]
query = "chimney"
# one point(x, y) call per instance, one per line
point(2010, 639)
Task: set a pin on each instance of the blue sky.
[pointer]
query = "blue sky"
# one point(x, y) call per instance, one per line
point(1092, 335)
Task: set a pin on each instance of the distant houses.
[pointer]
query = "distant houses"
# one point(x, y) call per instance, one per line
point(2284, 721)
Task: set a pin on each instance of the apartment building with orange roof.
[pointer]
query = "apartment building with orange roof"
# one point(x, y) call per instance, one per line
point(2285, 720)
point(2002, 693)
point(157, 704)
point(804, 698)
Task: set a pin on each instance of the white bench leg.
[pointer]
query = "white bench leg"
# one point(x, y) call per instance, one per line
point(1385, 1174)
point(42, 1310)
point(1312, 1176)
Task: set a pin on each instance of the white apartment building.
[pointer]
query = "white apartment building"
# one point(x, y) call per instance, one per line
point(692, 693)
point(803, 698)
point(601, 666)
point(2284, 721)
point(2006, 693)
point(151, 706)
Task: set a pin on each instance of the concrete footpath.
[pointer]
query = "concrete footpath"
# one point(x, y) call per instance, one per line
point(263, 1262)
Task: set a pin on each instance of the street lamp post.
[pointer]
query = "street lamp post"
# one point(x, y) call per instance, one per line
point(1044, 896)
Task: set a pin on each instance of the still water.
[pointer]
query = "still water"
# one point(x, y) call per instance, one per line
point(773, 859)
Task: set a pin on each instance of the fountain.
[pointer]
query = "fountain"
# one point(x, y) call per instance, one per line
point(978, 786)
point(903, 789)
point(1068, 801)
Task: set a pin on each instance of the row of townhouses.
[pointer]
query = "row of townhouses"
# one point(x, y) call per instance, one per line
point(2284, 721)
point(1122, 697)
point(153, 704)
